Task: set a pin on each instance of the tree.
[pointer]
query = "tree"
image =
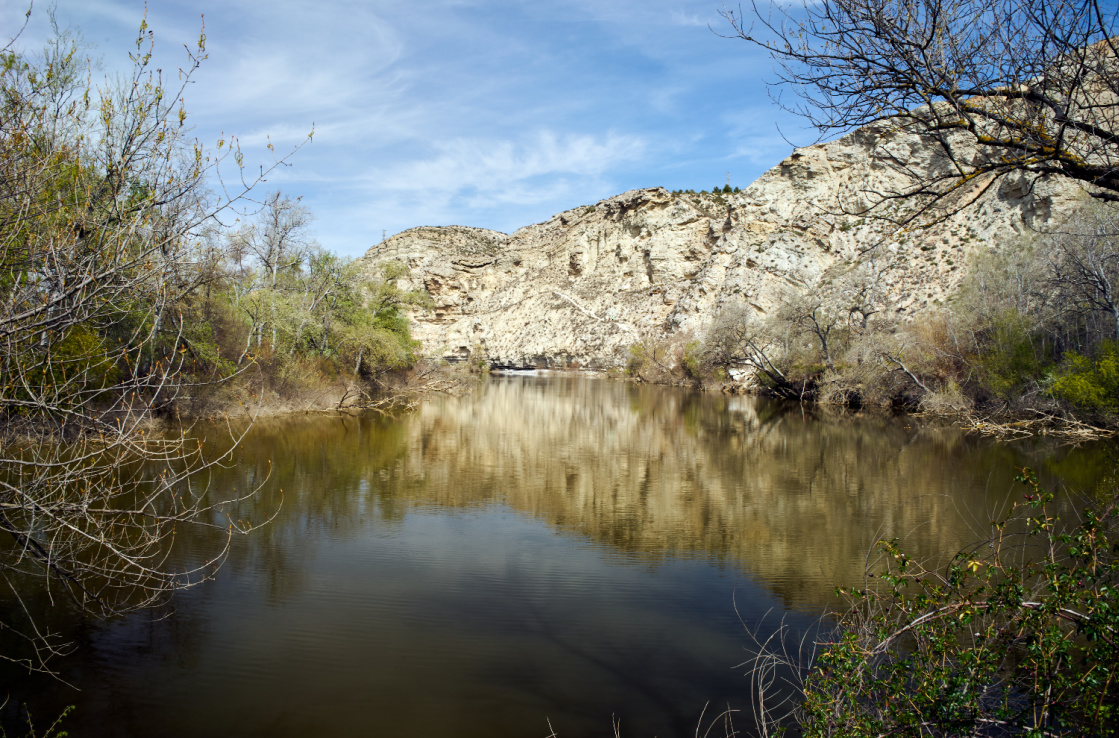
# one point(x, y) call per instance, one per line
point(379, 332)
point(811, 312)
point(812, 330)
point(279, 244)
point(1085, 269)
point(738, 339)
point(992, 87)
point(105, 226)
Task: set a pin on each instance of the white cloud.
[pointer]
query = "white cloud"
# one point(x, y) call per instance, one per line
point(504, 169)
point(680, 18)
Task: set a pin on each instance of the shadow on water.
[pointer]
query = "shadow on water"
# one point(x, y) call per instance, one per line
point(549, 548)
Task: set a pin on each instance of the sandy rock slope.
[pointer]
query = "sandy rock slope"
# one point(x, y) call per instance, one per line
point(580, 288)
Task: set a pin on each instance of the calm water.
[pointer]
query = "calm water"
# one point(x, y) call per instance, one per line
point(547, 550)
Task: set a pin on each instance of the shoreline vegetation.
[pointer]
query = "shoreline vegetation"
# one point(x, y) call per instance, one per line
point(148, 280)
point(1028, 343)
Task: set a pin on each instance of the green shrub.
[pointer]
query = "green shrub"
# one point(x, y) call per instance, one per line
point(693, 360)
point(638, 356)
point(1017, 635)
point(1090, 384)
point(1009, 360)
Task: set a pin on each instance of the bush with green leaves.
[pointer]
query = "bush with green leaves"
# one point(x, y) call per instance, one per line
point(1010, 360)
point(1015, 635)
point(1090, 384)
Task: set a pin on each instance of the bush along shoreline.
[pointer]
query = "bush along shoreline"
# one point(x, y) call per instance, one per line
point(1012, 635)
point(291, 326)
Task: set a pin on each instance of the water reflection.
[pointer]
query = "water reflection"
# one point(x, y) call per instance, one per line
point(792, 497)
point(557, 547)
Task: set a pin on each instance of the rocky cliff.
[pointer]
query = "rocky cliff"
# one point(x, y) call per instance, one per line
point(580, 288)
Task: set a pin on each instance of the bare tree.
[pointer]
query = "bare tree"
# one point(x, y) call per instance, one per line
point(992, 87)
point(813, 312)
point(739, 339)
point(104, 210)
point(1085, 269)
point(280, 242)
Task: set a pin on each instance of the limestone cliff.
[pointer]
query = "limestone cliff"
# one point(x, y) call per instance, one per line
point(582, 287)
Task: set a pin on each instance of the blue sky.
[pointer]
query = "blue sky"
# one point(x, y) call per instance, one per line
point(489, 113)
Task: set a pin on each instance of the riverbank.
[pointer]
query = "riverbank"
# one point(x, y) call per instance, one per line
point(249, 394)
point(981, 413)
point(394, 392)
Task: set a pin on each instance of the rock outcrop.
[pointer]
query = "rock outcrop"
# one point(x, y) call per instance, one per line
point(580, 288)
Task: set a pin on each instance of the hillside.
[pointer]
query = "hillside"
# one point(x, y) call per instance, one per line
point(582, 287)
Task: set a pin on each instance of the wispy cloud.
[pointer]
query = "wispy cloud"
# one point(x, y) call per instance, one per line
point(495, 113)
point(681, 18)
point(500, 167)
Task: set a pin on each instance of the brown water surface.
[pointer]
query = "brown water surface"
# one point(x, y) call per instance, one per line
point(557, 549)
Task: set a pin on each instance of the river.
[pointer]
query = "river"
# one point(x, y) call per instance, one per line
point(548, 553)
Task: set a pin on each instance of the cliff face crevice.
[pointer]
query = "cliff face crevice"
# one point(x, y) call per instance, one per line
point(583, 286)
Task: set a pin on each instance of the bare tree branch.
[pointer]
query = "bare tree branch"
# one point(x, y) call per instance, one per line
point(993, 87)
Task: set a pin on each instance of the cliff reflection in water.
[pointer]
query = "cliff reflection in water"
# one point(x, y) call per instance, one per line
point(793, 498)
point(549, 548)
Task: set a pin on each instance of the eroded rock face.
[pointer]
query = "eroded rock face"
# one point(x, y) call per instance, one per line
point(582, 287)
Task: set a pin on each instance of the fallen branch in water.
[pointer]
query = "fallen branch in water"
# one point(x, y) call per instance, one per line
point(1048, 425)
point(357, 397)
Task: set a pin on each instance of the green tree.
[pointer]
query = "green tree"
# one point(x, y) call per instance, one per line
point(1090, 384)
